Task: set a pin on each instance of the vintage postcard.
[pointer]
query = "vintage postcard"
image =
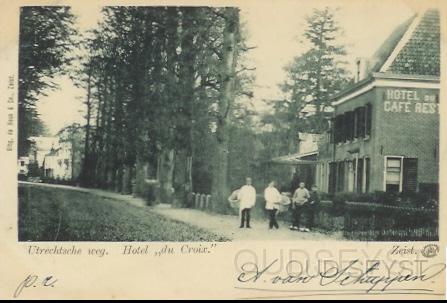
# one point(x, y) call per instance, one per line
point(253, 149)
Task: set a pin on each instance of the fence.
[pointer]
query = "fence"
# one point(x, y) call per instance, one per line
point(358, 220)
point(200, 201)
point(375, 222)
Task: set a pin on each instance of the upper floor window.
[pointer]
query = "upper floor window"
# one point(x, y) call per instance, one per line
point(353, 124)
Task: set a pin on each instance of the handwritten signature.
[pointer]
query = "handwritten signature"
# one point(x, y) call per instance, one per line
point(34, 281)
point(340, 276)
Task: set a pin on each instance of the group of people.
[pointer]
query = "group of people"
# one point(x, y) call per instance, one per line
point(303, 201)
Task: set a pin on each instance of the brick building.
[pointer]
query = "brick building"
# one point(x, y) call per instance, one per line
point(385, 131)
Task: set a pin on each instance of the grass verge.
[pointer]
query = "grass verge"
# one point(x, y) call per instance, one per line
point(50, 214)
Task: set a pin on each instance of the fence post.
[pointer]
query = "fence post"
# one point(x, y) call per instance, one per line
point(197, 200)
point(202, 201)
point(208, 202)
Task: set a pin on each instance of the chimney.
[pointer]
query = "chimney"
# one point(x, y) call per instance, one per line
point(361, 69)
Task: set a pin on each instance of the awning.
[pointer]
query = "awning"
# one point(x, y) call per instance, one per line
point(295, 159)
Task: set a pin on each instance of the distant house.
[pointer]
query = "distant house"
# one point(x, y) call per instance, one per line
point(22, 166)
point(40, 147)
point(49, 157)
point(57, 163)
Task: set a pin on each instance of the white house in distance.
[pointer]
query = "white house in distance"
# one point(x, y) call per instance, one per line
point(57, 163)
point(22, 166)
point(40, 147)
point(51, 156)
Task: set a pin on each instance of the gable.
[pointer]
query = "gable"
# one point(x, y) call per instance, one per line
point(418, 52)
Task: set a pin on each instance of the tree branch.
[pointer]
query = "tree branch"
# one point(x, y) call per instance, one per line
point(245, 69)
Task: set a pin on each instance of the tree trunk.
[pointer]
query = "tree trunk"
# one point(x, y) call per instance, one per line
point(166, 176)
point(118, 178)
point(86, 174)
point(184, 150)
point(127, 180)
point(226, 99)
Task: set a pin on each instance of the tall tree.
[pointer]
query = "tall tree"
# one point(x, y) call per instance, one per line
point(157, 80)
point(227, 76)
point(46, 39)
point(315, 75)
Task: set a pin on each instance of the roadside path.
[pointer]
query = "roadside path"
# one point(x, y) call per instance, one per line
point(225, 225)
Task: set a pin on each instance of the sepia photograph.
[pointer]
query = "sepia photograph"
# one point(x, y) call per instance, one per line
point(309, 121)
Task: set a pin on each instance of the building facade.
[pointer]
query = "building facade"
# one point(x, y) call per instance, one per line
point(49, 157)
point(384, 135)
point(57, 163)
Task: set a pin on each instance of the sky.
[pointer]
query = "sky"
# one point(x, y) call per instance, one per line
point(275, 28)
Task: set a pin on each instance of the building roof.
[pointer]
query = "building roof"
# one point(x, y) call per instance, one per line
point(418, 51)
point(386, 48)
point(412, 50)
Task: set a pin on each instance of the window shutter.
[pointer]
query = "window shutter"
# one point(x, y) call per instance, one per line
point(368, 119)
point(346, 122)
point(350, 122)
point(332, 131)
point(332, 177)
point(367, 169)
point(361, 122)
point(360, 175)
point(410, 175)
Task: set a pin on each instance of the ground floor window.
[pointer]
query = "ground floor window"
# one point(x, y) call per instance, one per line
point(400, 174)
point(393, 174)
point(349, 175)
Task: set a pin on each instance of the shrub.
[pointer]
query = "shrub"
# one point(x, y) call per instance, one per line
point(417, 200)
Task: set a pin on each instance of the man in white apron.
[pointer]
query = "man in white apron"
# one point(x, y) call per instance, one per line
point(247, 199)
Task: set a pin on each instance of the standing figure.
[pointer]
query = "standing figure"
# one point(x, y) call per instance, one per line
point(300, 197)
point(272, 203)
point(312, 206)
point(247, 199)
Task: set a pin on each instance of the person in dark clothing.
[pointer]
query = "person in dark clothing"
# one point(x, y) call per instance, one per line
point(245, 218)
point(294, 184)
point(300, 198)
point(312, 205)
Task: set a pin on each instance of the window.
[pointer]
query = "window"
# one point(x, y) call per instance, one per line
point(352, 124)
point(22, 163)
point(393, 174)
point(401, 174)
point(349, 176)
